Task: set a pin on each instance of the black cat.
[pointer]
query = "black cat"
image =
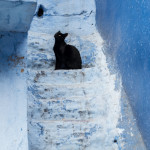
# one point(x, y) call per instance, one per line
point(67, 56)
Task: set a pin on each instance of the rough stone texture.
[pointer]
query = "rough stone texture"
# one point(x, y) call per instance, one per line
point(16, 15)
point(71, 109)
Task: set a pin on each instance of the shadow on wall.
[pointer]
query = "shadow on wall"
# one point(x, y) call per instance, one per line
point(124, 25)
point(13, 108)
point(12, 50)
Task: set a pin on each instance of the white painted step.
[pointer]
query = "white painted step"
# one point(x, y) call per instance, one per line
point(41, 55)
point(45, 91)
point(65, 15)
point(66, 77)
point(76, 135)
point(67, 109)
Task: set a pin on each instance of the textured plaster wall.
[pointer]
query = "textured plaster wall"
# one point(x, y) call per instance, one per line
point(75, 109)
point(13, 98)
point(125, 27)
point(80, 109)
point(70, 109)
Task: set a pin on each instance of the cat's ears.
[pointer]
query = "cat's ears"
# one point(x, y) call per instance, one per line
point(61, 35)
point(65, 35)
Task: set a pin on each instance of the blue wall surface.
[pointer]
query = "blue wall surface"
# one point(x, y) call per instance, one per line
point(125, 26)
point(13, 99)
point(16, 15)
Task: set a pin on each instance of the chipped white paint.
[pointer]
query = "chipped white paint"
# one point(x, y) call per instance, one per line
point(70, 109)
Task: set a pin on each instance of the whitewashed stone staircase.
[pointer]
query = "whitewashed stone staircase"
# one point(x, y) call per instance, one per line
point(70, 109)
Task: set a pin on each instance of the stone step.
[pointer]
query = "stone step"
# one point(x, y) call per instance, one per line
point(36, 55)
point(41, 55)
point(67, 109)
point(78, 76)
point(62, 135)
point(39, 60)
point(43, 42)
point(36, 63)
point(71, 16)
point(40, 42)
point(57, 91)
point(58, 8)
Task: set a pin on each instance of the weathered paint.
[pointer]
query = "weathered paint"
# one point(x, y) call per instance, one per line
point(125, 27)
point(74, 109)
point(16, 15)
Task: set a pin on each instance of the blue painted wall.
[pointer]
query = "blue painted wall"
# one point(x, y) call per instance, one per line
point(13, 98)
point(16, 15)
point(125, 25)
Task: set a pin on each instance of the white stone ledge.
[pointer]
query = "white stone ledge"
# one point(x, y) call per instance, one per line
point(68, 7)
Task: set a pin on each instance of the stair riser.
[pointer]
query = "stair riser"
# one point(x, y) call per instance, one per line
point(63, 92)
point(65, 77)
point(79, 109)
point(64, 135)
